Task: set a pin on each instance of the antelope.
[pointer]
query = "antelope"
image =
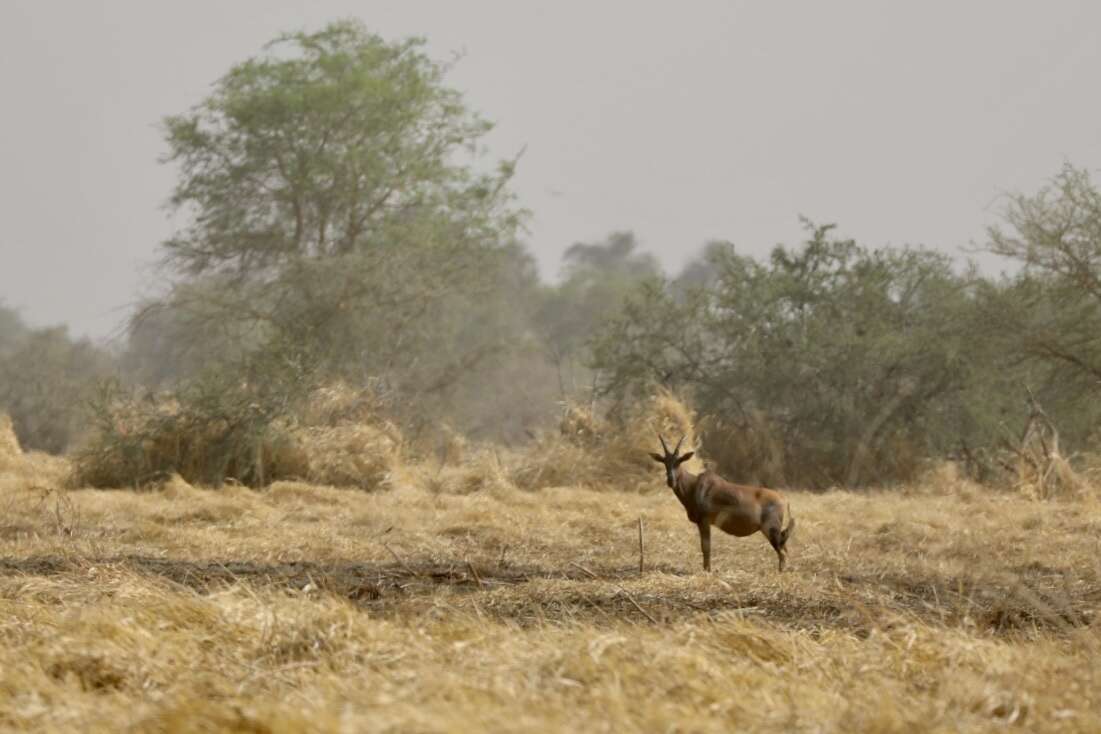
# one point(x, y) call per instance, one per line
point(734, 508)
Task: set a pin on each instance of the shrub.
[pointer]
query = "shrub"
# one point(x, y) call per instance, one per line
point(209, 435)
point(344, 438)
point(608, 452)
point(207, 432)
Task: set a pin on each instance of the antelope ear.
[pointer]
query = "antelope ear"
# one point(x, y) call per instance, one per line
point(658, 458)
point(686, 457)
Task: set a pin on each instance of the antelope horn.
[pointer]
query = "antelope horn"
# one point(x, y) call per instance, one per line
point(663, 446)
point(677, 449)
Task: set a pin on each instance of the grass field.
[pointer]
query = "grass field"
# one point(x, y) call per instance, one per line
point(304, 608)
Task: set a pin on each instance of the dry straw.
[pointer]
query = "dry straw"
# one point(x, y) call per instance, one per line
point(34, 469)
point(308, 608)
point(10, 453)
point(454, 601)
point(339, 439)
point(591, 451)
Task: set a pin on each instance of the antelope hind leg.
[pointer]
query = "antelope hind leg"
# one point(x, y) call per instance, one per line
point(775, 538)
point(775, 535)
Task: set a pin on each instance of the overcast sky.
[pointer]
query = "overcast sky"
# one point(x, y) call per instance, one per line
point(901, 122)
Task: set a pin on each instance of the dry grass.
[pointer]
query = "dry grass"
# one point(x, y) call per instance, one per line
point(339, 439)
point(592, 452)
point(359, 455)
point(441, 606)
point(9, 443)
point(343, 441)
point(36, 469)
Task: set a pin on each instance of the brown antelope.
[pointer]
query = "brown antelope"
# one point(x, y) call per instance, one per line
point(735, 508)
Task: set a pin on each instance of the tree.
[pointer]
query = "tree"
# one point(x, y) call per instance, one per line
point(335, 209)
point(330, 144)
point(12, 329)
point(1052, 309)
point(851, 360)
point(44, 380)
point(700, 271)
point(597, 279)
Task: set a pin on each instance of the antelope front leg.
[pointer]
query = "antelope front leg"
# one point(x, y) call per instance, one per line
point(705, 543)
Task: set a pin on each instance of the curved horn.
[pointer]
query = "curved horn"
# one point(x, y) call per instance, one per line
point(663, 446)
point(677, 449)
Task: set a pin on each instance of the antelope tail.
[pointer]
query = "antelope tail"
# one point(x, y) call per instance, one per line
point(786, 532)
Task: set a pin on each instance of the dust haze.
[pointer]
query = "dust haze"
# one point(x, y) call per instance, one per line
point(716, 120)
point(342, 346)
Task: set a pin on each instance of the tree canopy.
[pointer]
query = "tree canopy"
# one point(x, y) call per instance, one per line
point(336, 206)
point(842, 354)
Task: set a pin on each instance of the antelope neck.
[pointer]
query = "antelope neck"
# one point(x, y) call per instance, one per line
point(684, 486)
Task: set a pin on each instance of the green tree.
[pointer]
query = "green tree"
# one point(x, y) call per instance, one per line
point(597, 278)
point(1046, 317)
point(44, 381)
point(336, 209)
point(331, 143)
point(1052, 307)
point(853, 361)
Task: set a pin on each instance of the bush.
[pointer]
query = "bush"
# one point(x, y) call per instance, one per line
point(344, 439)
point(753, 451)
point(609, 452)
point(828, 364)
point(209, 434)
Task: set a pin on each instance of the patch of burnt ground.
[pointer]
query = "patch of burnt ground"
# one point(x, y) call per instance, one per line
point(1027, 601)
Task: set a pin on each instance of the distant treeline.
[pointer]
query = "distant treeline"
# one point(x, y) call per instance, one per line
point(341, 225)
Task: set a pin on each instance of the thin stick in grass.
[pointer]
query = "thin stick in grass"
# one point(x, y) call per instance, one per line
point(474, 573)
point(401, 562)
point(592, 575)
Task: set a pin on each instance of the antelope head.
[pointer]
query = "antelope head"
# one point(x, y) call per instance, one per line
point(672, 461)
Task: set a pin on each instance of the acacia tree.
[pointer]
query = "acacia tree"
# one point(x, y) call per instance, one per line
point(1052, 309)
point(1046, 317)
point(845, 364)
point(337, 222)
point(334, 206)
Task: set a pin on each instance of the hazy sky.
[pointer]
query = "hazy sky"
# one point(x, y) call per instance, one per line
point(902, 122)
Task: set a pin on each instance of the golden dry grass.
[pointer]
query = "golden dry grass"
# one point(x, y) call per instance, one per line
point(944, 607)
point(339, 439)
point(592, 452)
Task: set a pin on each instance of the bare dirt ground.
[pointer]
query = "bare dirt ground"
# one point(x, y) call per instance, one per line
point(306, 608)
